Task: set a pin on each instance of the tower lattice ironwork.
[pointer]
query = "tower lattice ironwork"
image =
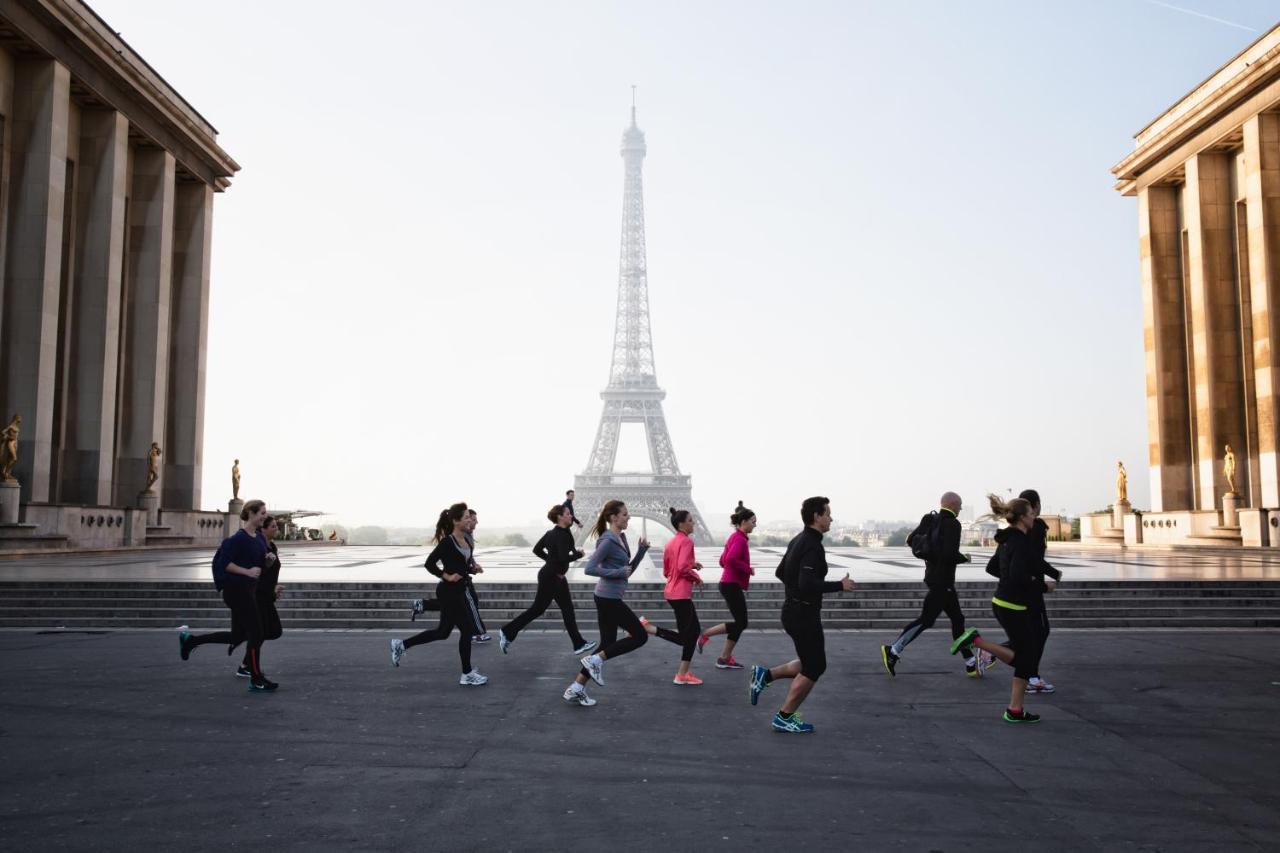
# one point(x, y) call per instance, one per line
point(633, 395)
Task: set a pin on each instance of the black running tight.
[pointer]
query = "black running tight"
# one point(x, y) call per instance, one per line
point(246, 625)
point(552, 586)
point(613, 614)
point(736, 598)
point(454, 613)
point(688, 629)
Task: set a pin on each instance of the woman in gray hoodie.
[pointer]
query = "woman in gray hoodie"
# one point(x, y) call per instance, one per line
point(613, 564)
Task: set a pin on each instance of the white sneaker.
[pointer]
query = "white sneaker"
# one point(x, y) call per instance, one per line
point(578, 697)
point(397, 651)
point(473, 679)
point(595, 668)
point(503, 642)
point(1039, 685)
point(585, 649)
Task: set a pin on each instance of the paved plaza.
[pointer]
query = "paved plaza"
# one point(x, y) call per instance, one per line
point(1154, 741)
point(395, 564)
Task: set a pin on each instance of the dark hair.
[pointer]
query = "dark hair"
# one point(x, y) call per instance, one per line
point(553, 514)
point(811, 508)
point(1011, 510)
point(740, 514)
point(568, 492)
point(444, 524)
point(1032, 497)
point(268, 521)
point(472, 512)
point(250, 508)
point(610, 510)
point(678, 516)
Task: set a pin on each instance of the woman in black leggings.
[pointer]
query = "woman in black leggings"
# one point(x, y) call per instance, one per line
point(266, 593)
point(1021, 568)
point(557, 551)
point(449, 561)
point(734, 580)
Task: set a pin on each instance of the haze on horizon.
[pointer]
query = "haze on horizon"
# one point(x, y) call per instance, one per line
point(885, 255)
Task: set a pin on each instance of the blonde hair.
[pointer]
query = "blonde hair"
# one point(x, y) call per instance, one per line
point(1009, 511)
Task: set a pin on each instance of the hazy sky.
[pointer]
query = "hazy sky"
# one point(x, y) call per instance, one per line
point(885, 255)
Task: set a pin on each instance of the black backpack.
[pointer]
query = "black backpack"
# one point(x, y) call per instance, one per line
point(924, 539)
point(221, 559)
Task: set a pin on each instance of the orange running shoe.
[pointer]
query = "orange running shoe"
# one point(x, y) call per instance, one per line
point(688, 679)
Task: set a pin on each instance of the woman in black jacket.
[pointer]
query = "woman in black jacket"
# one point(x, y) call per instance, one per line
point(556, 549)
point(449, 561)
point(1021, 589)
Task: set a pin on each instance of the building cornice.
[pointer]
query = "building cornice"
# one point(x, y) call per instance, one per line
point(104, 64)
point(1196, 116)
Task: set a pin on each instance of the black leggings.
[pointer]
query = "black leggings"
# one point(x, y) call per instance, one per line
point(552, 586)
point(455, 612)
point(613, 614)
point(271, 627)
point(1024, 629)
point(688, 629)
point(939, 599)
point(1044, 636)
point(803, 624)
point(246, 625)
point(736, 598)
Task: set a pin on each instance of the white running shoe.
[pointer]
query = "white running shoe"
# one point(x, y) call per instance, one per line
point(595, 668)
point(1039, 685)
point(578, 697)
point(585, 649)
point(503, 642)
point(473, 679)
point(397, 651)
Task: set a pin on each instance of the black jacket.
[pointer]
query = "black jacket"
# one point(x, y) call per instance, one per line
point(1040, 535)
point(942, 570)
point(444, 559)
point(803, 570)
point(1019, 563)
point(556, 549)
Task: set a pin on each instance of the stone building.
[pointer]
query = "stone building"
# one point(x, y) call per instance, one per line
point(1206, 175)
point(107, 180)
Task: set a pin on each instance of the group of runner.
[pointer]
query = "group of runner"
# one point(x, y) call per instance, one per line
point(250, 570)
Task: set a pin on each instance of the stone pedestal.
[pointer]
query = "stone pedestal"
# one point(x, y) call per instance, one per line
point(234, 506)
point(150, 501)
point(1230, 510)
point(1118, 512)
point(9, 502)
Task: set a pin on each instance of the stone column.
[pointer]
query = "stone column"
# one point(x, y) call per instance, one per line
point(1219, 417)
point(146, 367)
point(1165, 344)
point(1262, 199)
point(184, 450)
point(104, 151)
point(29, 338)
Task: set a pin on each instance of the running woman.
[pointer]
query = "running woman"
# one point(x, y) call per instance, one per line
point(1040, 533)
point(1020, 565)
point(803, 572)
point(241, 558)
point(940, 578)
point(268, 589)
point(449, 561)
point(556, 550)
point(680, 568)
point(734, 581)
point(612, 563)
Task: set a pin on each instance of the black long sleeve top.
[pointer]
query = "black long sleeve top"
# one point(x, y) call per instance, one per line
point(1020, 565)
point(556, 549)
point(941, 571)
point(444, 559)
point(803, 570)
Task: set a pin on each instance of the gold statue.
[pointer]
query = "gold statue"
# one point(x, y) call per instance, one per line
point(1229, 469)
point(235, 481)
point(153, 468)
point(9, 449)
point(1122, 483)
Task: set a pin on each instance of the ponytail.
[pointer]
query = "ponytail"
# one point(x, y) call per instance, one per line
point(1008, 511)
point(611, 509)
point(444, 524)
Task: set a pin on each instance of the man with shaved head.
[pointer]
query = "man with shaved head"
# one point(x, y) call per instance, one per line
point(943, 548)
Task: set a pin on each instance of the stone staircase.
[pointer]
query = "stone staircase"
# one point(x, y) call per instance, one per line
point(385, 606)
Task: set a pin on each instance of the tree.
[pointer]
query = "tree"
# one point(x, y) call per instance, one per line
point(368, 536)
point(898, 537)
point(515, 540)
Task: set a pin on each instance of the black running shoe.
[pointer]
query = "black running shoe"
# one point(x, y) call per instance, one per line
point(889, 658)
point(1022, 716)
point(262, 684)
point(243, 671)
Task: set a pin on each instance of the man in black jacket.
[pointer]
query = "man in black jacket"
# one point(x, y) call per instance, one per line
point(940, 578)
point(803, 572)
point(568, 504)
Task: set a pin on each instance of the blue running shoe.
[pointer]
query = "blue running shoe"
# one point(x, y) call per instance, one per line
point(184, 645)
point(758, 683)
point(791, 725)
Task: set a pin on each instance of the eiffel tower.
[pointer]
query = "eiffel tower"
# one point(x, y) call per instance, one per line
point(633, 395)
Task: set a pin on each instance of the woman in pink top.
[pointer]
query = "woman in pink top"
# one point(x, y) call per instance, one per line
point(681, 571)
point(736, 562)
